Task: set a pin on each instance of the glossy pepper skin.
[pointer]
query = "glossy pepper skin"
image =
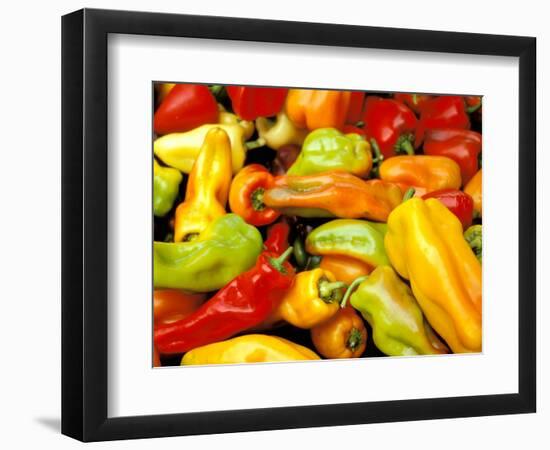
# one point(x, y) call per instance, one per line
point(166, 182)
point(355, 108)
point(333, 194)
point(342, 336)
point(458, 202)
point(277, 238)
point(430, 172)
point(445, 111)
point(358, 239)
point(185, 106)
point(180, 150)
point(228, 247)
point(345, 268)
point(207, 187)
point(246, 195)
point(327, 149)
point(313, 298)
point(390, 125)
point(462, 146)
point(250, 102)
point(251, 348)
point(474, 189)
point(398, 325)
point(279, 132)
point(170, 305)
point(312, 109)
point(413, 101)
point(425, 245)
point(243, 303)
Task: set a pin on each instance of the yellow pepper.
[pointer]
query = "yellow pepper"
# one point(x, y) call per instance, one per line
point(313, 298)
point(250, 348)
point(280, 132)
point(207, 187)
point(473, 188)
point(180, 150)
point(425, 245)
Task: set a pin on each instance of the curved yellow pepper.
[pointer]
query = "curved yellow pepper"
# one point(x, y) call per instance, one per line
point(180, 150)
point(250, 348)
point(313, 298)
point(280, 132)
point(207, 187)
point(473, 188)
point(425, 245)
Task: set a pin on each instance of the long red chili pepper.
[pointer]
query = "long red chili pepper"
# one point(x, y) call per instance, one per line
point(185, 107)
point(243, 303)
point(446, 111)
point(249, 103)
point(389, 125)
point(277, 238)
point(462, 146)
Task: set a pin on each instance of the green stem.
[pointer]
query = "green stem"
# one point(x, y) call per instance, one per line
point(351, 288)
point(378, 157)
point(278, 262)
point(406, 146)
point(328, 290)
point(408, 194)
point(355, 339)
point(216, 89)
point(250, 145)
point(257, 199)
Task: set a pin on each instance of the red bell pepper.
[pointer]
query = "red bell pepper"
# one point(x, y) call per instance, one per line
point(446, 111)
point(389, 125)
point(355, 108)
point(277, 238)
point(185, 107)
point(413, 101)
point(249, 103)
point(462, 146)
point(245, 302)
point(458, 202)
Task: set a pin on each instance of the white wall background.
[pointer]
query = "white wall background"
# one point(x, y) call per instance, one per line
point(30, 229)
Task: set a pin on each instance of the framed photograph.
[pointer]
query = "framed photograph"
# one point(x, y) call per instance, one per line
point(272, 224)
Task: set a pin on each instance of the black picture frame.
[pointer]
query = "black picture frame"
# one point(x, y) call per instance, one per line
point(84, 224)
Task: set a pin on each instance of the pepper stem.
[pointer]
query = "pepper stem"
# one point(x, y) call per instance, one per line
point(216, 89)
point(250, 145)
point(355, 339)
point(407, 147)
point(408, 194)
point(257, 199)
point(378, 157)
point(328, 290)
point(278, 262)
point(351, 288)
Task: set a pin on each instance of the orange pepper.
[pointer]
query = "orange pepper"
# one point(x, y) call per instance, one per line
point(430, 172)
point(246, 195)
point(345, 268)
point(332, 194)
point(342, 336)
point(170, 305)
point(474, 189)
point(156, 357)
point(312, 109)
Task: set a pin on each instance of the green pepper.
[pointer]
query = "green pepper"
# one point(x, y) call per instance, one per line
point(225, 249)
point(359, 239)
point(327, 149)
point(165, 188)
point(398, 325)
point(473, 237)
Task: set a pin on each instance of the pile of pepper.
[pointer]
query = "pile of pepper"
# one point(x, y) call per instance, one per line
point(300, 224)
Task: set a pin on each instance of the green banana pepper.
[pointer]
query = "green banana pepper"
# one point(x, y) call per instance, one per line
point(227, 248)
point(359, 239)
point(473, 237)
point(388, 305)
point(327, 149)
point(166, 182)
